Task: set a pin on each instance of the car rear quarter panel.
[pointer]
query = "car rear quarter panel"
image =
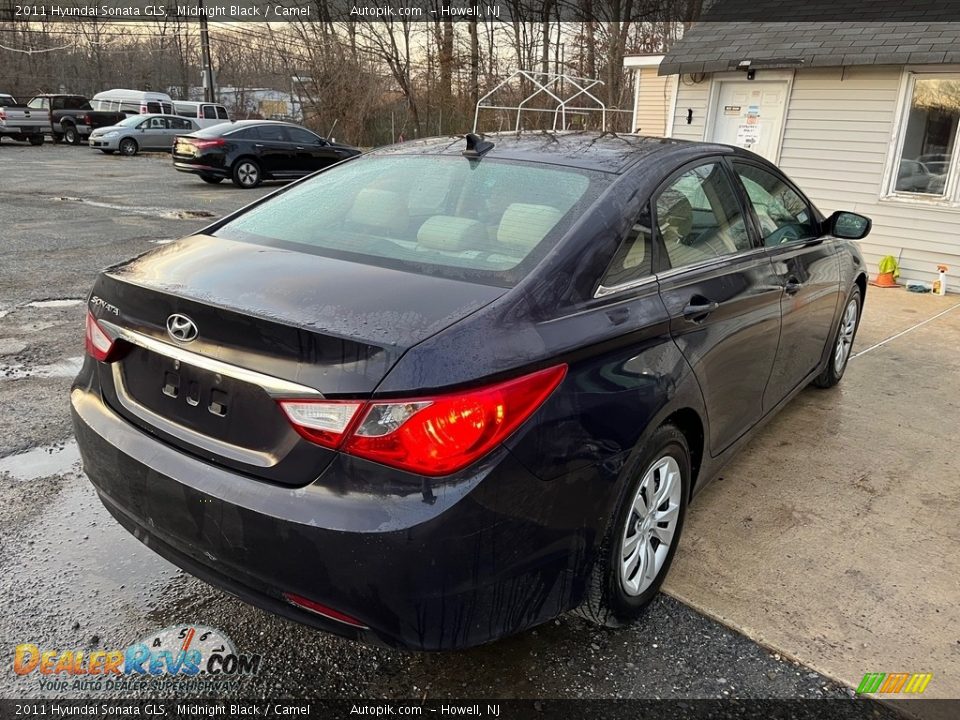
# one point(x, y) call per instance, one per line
point(626, 375)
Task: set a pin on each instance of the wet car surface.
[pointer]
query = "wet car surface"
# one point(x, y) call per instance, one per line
point(73, 578)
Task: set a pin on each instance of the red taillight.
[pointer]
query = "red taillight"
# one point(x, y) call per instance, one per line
point(203, 144)
point(99, 344)
point(327, 612)
point(3, 115)
point(434, 435)
point(86, 120)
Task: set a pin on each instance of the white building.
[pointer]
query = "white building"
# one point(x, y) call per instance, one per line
point(863, 116)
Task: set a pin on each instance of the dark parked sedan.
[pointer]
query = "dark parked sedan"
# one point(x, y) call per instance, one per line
point(452, 389)
point(251, 151)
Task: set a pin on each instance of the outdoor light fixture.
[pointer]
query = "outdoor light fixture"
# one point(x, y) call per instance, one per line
point(745, 66)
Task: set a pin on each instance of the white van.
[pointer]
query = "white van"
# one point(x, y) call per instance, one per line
point(206, 114)
point(133, 102)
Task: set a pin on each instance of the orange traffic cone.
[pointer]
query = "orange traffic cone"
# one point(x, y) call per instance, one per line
point(884, 280)
point(887, 271)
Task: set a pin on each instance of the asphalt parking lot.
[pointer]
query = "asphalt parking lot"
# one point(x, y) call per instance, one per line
point(72, 578)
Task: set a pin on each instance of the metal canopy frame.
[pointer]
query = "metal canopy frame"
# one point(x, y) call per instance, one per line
point(551, 84)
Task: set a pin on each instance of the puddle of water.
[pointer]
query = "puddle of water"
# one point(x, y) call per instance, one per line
point(55, 303)
point(67, 368)
point(188, 215)
point(42, 462)
point(165, 213)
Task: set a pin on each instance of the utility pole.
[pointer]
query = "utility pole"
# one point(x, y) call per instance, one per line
point(207, 70)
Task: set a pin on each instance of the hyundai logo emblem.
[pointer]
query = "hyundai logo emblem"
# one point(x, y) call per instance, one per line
point(181, 328)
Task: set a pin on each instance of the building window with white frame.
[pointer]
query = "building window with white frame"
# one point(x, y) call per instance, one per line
point(929, 133)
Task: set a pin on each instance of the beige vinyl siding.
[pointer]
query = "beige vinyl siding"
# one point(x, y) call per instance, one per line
point(840, 125)
point(653, 97)
point(693, 96)
point(838, 130)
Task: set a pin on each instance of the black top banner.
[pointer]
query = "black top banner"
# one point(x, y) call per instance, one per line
point(786, 11)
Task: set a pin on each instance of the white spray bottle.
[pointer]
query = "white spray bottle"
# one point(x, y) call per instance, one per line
point(941, 288)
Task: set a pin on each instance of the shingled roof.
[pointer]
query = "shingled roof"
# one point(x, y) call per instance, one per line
point(796, 34)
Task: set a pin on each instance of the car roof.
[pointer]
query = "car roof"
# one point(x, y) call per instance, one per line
point(606, 152)
point(247, 123)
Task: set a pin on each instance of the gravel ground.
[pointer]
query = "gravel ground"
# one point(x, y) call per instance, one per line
point(72, 578)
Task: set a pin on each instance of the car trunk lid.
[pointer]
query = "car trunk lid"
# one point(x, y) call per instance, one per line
point(268, 323)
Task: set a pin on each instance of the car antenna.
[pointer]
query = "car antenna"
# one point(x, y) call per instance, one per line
point(476, 147)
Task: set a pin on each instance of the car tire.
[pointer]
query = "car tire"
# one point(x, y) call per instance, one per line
point(620, 586)
point(71, 135)
point(246, 173)
point(107, 152)
point(36, 140)
point(212, 179)
point(129, 147)
point(842, 341)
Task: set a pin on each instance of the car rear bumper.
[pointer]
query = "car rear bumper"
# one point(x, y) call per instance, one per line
point(429, 568)
point(25, 130)
point(198, 169)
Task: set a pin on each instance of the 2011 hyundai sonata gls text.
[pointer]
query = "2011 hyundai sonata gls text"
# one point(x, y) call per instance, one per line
point(453, 388)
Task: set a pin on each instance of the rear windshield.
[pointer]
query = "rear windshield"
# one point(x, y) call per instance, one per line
point(487, 221)
point(216, 130)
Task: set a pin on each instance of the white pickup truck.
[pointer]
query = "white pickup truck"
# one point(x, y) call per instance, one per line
point(20, 122)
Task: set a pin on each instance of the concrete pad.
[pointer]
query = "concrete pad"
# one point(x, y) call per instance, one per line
point(834, 537)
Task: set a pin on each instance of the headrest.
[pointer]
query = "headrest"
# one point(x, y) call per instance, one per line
point(675, 212)
point(446, 232)
point(524, 225)
point(380, 209)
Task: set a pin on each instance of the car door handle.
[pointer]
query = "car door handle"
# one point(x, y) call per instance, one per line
point(792, 287)
point(698, 309)
point(258, 145)
point(299, 147)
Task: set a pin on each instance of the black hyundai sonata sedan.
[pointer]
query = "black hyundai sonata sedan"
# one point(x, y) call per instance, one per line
point(453, 388)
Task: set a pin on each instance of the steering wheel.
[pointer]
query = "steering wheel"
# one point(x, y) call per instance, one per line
point(788, 233)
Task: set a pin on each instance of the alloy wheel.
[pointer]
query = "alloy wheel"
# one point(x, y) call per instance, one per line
point(848, 328)
point(651, 526)
point(248, 174)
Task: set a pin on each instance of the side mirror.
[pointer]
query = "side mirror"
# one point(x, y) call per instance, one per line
point(848, 225)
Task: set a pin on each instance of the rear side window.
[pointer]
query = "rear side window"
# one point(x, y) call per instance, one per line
point(222, 113)
point(187, 111)
point(487, 221)
point(251, 133)
point(699, 218)
point(276, 133)
point(209, 112)
point(633, 260)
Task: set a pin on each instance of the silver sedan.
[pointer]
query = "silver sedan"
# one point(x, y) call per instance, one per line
point(141, 132)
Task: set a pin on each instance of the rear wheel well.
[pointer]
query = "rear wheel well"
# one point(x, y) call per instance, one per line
point(688, 422)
